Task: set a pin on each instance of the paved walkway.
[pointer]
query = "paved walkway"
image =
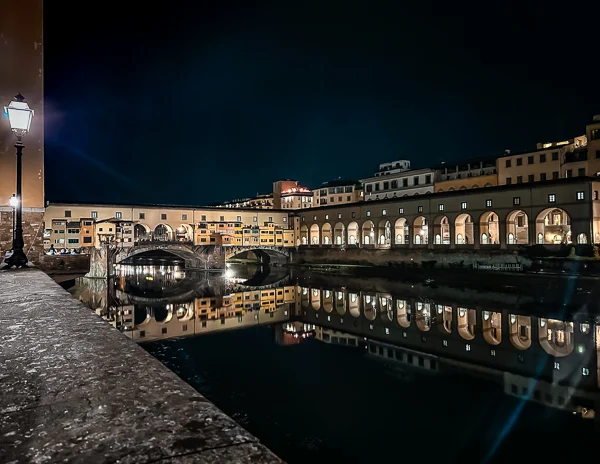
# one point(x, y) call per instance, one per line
point(74, 389)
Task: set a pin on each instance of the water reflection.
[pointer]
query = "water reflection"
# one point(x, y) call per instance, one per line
point(540, 353)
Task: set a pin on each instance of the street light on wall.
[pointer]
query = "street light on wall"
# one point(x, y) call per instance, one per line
point(19, 117)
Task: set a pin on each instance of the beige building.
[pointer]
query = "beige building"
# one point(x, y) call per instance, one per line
point(395, 180)
point(552, 160)
point(166, 223)
point(289, 194)
point(338, 192)
point(475, 173)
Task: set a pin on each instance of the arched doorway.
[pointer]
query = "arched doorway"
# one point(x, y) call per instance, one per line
point(488, 228)
point(141, 233)
point(326, 234)
point(465, 321)
point(370, 307)
point(304, 235)
point(315, 299)
point(339, 232)
point(368, 233)
point(517, 228)
point(403, 313)
point(441, 231)
point(420, 232)
point(582, 239)
point(353, 237)
point(340, 302)
point(315, 238)
point(327, 301)
point(491, 324)
point(163, 233)
point(401, 235)
point(423, 316)
point(444, 318)
point(354, 304)
point(553, 227)
point(556, 337)
point(384, 234)
point(386, 308)
point(520, 331)
point(464, 229)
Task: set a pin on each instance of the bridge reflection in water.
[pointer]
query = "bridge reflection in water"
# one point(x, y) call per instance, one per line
point(549, 357)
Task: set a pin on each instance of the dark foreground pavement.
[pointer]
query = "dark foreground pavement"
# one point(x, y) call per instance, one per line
point(74, 389)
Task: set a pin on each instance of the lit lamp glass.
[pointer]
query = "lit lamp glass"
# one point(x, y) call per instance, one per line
point(19, 115)
point(13, 201)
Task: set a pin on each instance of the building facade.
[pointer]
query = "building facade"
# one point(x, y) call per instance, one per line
point(67, 225)
point(338, 192)
point(466, 175)
point(549, 213)
point(396, 183)
point(21, 55)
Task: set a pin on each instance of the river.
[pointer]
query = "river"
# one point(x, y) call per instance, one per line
point(324, 367)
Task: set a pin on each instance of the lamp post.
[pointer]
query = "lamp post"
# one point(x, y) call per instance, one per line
point(13, 202)
point(19, 116)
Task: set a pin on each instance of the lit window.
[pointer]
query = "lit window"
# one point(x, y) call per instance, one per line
point(314, 218)
point(463, 205)
point(441, 207)
point(384, 212)
point(420, 209)
point(585, 371)
point(368, 213)
point(118, 214)
point(580, 196)
point(326, 216)
point(552, 198)
point(339, 215)
point(516, 200)
point(488, 203)
point(400, 210)
point(239, 219)
point(95, 215)
point(184, 217)
point(387, 331)
point(255, 219)
point(493, 352)
point(557, 365)
point(468, 347)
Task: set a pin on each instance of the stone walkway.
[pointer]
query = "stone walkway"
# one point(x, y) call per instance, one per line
point(74, 389)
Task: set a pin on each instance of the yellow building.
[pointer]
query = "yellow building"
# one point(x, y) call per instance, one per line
point(475, 173)
point(338, 192)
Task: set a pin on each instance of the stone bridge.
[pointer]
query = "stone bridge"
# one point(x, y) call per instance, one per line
point(265, 254)
point(195, 257)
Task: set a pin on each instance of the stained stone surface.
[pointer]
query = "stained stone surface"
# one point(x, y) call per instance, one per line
point(74, 389)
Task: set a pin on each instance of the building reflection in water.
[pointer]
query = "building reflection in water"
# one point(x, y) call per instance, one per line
point(542, 359)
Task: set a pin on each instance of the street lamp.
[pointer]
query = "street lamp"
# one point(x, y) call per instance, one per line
point(13, 202)
point(19, 116)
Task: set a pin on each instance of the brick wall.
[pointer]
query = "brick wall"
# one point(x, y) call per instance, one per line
point(33, 234)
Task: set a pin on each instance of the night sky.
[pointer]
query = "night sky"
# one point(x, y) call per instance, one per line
point(188, 103)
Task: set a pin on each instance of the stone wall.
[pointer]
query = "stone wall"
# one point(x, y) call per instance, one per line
point(375, 257)
point(33, 234)
point(75, 263)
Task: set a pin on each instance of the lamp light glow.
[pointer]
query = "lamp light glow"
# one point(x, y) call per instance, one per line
point(19, 115)
point(13, 201)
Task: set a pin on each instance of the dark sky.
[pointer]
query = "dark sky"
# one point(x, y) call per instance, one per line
point(192, 102)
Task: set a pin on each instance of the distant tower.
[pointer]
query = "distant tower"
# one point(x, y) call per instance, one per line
point(281, 186)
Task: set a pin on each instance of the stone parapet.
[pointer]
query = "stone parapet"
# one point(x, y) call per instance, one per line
point(74, 389)
point(33, 234)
